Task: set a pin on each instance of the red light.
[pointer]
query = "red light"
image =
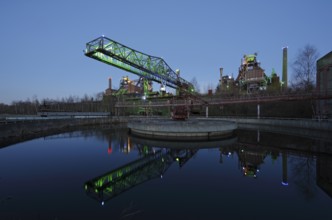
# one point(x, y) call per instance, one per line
point(109, 150)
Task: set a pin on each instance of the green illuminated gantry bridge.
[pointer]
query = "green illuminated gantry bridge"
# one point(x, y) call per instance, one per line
point(146, 66)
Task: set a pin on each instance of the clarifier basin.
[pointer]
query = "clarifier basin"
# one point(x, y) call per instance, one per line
point(191, 129)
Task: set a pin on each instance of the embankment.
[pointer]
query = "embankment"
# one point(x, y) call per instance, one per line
point(12, 132)
point(317, 129)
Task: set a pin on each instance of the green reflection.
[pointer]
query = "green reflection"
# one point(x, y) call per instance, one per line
point(151, 166)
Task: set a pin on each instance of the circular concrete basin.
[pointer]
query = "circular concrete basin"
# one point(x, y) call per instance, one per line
point(191, 129)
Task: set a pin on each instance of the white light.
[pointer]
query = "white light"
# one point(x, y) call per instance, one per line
point(102, 203)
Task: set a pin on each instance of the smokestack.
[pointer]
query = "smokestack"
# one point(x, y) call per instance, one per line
point(220, 81)
point(221, 70)
point(284, 67)
point(110, 83)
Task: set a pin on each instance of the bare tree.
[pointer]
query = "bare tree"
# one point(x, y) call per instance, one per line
point(195, 84)
point(304, 175)
point(99, 96)
point(304, 68)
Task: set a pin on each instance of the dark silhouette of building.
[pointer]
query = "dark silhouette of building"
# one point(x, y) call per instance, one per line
point(324, 85)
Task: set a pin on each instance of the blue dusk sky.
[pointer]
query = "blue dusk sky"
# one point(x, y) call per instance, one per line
point(42, 41)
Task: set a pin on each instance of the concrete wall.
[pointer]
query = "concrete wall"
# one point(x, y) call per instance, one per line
point(12, 132)
point(290, 123)
point(299, 127)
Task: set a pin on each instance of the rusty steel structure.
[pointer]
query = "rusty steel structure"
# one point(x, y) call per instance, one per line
point(226, 100)
point(251, 77)
point(149, 68)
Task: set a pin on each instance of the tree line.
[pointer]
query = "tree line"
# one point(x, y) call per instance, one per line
point(66, 104)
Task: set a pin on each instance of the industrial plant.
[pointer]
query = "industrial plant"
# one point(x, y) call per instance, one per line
point(251, 79)
point(252, 92)
point(252, 86)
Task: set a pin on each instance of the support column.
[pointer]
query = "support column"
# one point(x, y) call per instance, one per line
point(206, 111)
point(258, 111)
point(258, 136)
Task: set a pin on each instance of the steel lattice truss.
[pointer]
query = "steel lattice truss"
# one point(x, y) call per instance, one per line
point(117, 181)
point(123, 57)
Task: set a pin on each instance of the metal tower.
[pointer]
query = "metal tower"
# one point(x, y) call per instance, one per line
point(284, 67)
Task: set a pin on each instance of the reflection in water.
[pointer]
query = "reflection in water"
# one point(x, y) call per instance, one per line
point(250, 158)
point(250, 162)
point(303, 169)
point(324, 174)
point(157, 156)
point(299, 155)
point(284, 169)
point(123, 178)
point(152, 165)
point(252, 175)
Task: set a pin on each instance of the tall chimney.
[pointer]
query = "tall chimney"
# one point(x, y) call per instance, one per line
point(110, 83)
point(221, 70)
point(220, 81)
point(284, 67)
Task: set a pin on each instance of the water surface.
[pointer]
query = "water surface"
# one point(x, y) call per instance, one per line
point(109, 174)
